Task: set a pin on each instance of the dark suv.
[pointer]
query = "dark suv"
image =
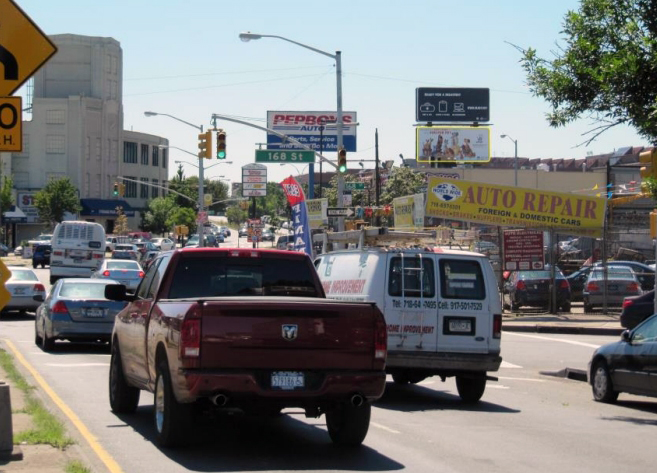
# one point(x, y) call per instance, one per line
point(41, 256)
point(532, 288)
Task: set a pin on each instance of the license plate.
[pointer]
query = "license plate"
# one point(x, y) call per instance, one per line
point(94, 313)
point(287, 380)
point(19, 290)
point(460, 326)
point(613, 287)
point(125, 283)
point(77, 260)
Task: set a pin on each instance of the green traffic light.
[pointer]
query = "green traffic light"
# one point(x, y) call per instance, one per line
point(221, 155)
point(342, 168)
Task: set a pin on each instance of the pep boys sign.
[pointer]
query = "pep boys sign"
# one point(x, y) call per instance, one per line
point(305, 128)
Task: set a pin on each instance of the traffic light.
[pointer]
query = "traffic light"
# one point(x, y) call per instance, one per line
point(648, 159)
point(221, 144)
point(342, 160)
point(205, 145)
point(115, 192)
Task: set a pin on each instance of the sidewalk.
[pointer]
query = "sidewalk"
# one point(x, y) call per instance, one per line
point(578, 324)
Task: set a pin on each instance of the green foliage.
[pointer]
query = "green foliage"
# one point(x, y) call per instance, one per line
point(650, 187)
point(235, 214)
point(76, 466)
point(182, 216)
point(402, 181)
point(357, 197)
point(55, 199)
point(6, 198)
point(158, 214)
point(606, 71)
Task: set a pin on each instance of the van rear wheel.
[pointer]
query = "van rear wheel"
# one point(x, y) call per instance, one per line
point(400, 377)
point(348, 425)
point(471, 389)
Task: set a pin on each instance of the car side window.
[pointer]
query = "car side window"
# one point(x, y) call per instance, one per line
point(143, 290)
point(161, 267)
point(646, 332)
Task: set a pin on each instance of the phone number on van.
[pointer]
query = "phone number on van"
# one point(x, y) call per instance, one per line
point(451, 305)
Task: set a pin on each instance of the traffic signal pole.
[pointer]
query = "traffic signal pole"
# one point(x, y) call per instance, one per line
point(340, 176)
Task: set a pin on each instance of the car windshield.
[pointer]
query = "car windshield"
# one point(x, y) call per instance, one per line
point(82, 290)
point(540, 274)
point(124, 247)
point(23, 275)
point(613, 273)
point(122, 265)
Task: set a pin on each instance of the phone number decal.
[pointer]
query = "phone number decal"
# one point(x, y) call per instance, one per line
point(453, 305)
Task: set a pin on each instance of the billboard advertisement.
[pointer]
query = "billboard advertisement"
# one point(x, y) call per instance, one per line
point(409, 211)
point(452, 104)
point(305, 127)
point(515, 207)
point(448, 144)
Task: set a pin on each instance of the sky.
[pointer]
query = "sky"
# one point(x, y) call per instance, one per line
point(186, 59)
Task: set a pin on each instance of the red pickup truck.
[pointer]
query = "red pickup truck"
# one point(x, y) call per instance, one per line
point(216, 328)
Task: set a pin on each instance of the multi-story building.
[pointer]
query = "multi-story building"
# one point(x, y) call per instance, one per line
point(76, 130)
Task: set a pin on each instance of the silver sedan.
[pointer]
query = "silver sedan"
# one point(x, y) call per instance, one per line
point(23, 285)
point(76, 310)
point(126, 272)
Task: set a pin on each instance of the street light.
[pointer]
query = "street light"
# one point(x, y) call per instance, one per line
point(200, 165)
point(205, 168)
point(515, 159)
point(295, 167)
point(338, 73)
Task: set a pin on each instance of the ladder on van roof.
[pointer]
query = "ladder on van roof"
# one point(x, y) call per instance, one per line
point(373, 237)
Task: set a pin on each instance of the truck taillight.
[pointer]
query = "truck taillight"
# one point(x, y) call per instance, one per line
point(190, 338)
point(380, 339)
point(497, 326)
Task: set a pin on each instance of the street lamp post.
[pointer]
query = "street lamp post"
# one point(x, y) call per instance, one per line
point(515, 159)
point(200, 166)
point(338, 73)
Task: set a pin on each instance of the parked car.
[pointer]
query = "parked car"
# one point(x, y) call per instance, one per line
point(126, 251)
point(627, 365)
point(243, 231)
point(225, 230)
point(636, 309)
point(18, 251)
point(128, 273)
point(644, 273)
point(76, 310)
point(23, 285)
point(532, 288)
point(209, 241)
point(267, 235)
point(577, 281)
point(164, 244)
point(41, 256)
point(621, 283)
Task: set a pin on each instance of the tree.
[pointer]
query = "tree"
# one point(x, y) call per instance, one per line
point(606, 70)
point(331, 192)
point(121, 225)
point(6, 198)
point(402, 181)
point(182, 216)
point(158, 214)
point(55, 199)
point(235, 214)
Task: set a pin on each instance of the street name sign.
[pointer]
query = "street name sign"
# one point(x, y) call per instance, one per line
point(452, 104)
point(276, 156)
point(354, 186)
point(24, 48)
point(340, 212)
point(11, 124)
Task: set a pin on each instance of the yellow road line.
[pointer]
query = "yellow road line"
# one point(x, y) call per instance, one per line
point(104, 456)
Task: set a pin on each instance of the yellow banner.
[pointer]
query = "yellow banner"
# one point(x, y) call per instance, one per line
point(403, 210)
point(317, 212)
point(514, 207)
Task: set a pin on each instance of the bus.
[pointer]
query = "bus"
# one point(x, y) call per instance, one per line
point(78, 249)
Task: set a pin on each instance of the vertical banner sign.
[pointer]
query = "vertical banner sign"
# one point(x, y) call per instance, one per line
point(297, 201)
point(523, 250)
point(317, 212)
point(409, 211)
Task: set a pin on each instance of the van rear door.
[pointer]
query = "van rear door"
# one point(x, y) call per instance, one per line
point(411, 302)
point(465, 305)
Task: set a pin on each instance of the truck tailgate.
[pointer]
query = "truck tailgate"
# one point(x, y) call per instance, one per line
point(287, 333)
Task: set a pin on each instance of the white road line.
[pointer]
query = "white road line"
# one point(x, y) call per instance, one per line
point(538, 337)
point(522, 379)
point(506, 364)
point(75, 365)
point(496, 386)
point(383, 427)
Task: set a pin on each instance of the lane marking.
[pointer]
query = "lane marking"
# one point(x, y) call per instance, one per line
point(496, 386)
point(522, 379)
point(75, 365)
point(506, 364)
point(383, 427)
point(103, 455)
point(562, 340)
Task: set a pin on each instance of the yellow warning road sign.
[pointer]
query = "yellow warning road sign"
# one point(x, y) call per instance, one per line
point(11, 124)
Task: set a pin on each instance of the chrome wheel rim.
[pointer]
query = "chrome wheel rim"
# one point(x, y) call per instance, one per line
point(600, 382)
point(159, 404)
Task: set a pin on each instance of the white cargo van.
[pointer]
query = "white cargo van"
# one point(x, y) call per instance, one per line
point(442, 310)
point(78, 249)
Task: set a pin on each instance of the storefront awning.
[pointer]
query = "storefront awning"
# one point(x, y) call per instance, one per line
point(14, 215)
point(105, 208)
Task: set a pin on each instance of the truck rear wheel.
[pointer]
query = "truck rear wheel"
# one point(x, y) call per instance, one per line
point(471, 389)
point(348, 425)
point(124, 398)
point(173, 420)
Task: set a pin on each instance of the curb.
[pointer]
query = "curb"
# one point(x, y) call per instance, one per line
point(566, 330)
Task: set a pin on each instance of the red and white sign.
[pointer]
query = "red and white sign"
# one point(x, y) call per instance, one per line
point(254, 180)
point(523, 250)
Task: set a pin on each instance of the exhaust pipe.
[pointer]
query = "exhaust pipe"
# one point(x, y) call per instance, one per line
point(357, 400)
point(219, 400)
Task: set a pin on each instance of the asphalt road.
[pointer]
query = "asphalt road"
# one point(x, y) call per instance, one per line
point(527, 421)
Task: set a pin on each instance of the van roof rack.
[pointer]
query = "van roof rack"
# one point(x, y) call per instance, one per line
point(374, 237)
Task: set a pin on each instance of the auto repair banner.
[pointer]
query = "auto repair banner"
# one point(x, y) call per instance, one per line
point(515, 207)
point(297, 201)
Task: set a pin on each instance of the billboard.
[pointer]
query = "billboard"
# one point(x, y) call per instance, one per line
point(305, 127)
point(448, 144)
point(452, 104)
point(515, 207)
point(409, 211)
point(317, 210)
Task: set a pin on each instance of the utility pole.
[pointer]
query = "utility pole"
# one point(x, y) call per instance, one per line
point(377, 188)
